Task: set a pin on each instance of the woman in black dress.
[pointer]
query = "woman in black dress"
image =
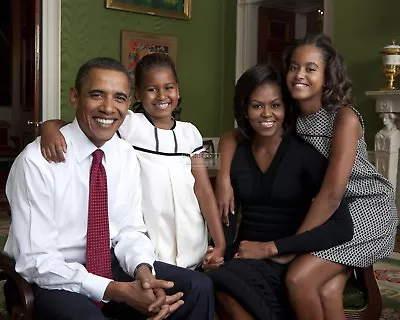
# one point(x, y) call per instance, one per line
point(275, 176)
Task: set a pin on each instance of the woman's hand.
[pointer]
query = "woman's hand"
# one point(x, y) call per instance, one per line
point(213, 259)
point(52, 142)
point(256, 250)
point(225, 198)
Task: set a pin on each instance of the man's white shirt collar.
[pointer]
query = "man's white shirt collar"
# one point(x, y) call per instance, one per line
point(84, 147)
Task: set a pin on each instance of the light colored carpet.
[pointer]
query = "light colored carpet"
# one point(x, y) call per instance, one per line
point(387, 273)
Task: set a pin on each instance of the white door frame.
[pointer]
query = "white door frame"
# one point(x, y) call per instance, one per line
point(51, 59)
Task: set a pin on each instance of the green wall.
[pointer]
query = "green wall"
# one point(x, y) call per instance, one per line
point(361, 29)
point(205, 59)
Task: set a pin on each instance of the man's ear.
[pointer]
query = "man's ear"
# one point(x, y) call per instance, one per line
point(73, 97)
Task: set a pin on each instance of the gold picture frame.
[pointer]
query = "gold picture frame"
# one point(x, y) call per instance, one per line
point(182, 8)
point(135, 45)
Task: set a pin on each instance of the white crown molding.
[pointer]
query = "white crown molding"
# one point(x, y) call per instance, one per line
point(51, 64)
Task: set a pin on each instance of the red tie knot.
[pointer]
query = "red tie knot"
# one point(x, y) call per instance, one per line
point(97, 156)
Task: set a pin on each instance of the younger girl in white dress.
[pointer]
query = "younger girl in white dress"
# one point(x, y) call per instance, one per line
point(177, 193)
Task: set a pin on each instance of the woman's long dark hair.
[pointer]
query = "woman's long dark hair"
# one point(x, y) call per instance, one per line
point(245, 86)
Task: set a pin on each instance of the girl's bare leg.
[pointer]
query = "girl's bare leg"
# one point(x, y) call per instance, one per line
point(331, 295)
point(305, 279)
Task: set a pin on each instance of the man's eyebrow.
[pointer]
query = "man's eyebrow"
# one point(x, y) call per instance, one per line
point(95, 91)
point(99, 91)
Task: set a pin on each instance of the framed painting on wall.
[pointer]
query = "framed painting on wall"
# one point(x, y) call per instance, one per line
point(180, 9)
point(135, 45)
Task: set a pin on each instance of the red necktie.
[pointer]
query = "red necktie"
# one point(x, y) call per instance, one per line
point(98, 260)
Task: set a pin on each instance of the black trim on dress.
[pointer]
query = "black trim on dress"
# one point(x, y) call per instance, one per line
point(197, 149)
point(176, 142)
point(161, 153)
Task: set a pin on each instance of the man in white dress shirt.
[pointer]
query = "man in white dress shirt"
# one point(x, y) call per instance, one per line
point(49, 205)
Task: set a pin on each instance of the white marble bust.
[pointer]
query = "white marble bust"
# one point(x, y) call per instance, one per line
point(388, 138)
point(387, 144)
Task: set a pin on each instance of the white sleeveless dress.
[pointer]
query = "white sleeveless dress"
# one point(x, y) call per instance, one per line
point(170, 208)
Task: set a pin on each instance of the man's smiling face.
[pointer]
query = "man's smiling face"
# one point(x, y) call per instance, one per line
point(101, 104)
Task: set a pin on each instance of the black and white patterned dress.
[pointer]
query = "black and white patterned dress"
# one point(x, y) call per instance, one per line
point(370, 197)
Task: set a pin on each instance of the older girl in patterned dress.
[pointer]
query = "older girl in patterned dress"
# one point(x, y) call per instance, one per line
point(318, 82)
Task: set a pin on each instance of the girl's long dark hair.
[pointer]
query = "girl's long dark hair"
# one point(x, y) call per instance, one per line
point(337, 85)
